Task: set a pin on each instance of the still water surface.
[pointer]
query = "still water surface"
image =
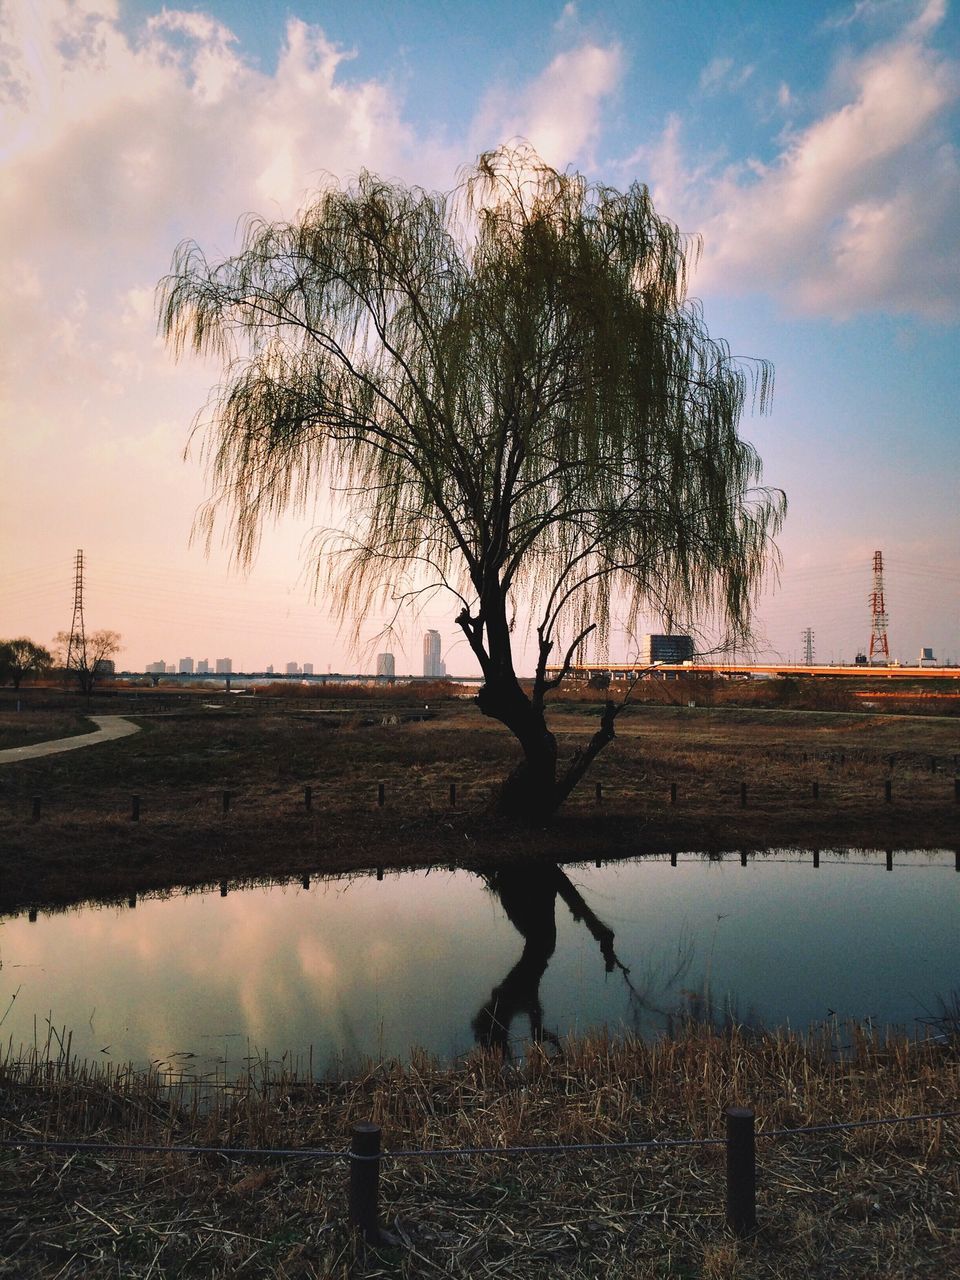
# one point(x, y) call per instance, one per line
point(353, 968)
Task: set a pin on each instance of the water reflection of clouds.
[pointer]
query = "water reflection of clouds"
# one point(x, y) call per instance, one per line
point(366, 967)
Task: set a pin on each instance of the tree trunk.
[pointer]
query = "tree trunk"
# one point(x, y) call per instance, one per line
point(529, 792)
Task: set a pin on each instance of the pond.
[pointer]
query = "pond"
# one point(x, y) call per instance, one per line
point(346, 969)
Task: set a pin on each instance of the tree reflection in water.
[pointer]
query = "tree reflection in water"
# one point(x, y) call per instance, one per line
point(528, 893)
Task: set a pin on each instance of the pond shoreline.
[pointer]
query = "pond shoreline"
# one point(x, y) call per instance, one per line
point(205, 795)
point(62, 862)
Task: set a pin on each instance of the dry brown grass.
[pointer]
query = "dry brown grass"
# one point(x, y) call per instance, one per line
point(34, 724)
point(878, 1202)
point(264, 754)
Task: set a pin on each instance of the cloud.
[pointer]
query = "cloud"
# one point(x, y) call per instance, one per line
point(113, 148)
point(860, 209)
point(722, 75)
point(560, 111)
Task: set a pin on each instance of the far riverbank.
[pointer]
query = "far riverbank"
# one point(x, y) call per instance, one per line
point(218, 790)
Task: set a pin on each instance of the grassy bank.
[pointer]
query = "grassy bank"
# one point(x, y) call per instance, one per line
point(264, 753)
point(872, 1202)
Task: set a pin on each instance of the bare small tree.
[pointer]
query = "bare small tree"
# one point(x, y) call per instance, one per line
point(20, 658)
point(513, 399)
point(88, 656)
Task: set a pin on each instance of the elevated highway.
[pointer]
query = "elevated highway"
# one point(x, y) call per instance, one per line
point(759, 670)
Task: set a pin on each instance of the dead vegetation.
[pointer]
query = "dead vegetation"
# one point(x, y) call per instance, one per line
point(264, 754)
point(872, 1202)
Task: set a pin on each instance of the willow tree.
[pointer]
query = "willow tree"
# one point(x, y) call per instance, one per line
point(512, 398)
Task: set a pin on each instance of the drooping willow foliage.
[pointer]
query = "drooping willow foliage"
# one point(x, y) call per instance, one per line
point(509, 390)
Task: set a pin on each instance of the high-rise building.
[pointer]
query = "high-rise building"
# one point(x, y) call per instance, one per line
point(308, 668)
point(386, 667)
point(203, 667)
point(224, 666)
point(432, 666)
point(156, 668)
point(186, 666)
point(292, 669)
point(269, 671)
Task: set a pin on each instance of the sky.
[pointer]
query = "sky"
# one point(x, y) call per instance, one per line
point(813, 147)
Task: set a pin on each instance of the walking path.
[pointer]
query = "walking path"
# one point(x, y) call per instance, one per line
point(109, 727)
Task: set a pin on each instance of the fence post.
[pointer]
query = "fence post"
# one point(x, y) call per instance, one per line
point(453, 795)
point(673, 858)
point(889, 859)
point(365, 1181)
point(741, 1171)
point(308, 798)
point(135, 809)
point(816, 859)
point(381, 795)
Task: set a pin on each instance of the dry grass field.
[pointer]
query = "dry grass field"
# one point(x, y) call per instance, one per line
point(878, 1203)
point(676, 778)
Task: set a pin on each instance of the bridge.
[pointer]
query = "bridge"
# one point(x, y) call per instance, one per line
point(628, 671)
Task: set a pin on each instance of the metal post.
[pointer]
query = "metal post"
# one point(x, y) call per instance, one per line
point(223, 888)
point(741, 1171)
point(365, 1181)
point(816, 859)
point(379, 873)
point(889, 859)
point(135, 809)
point(132, 902)
point(743, 857)
point(673, 859)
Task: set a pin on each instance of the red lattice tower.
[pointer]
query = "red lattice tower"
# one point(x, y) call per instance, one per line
point(879, 648)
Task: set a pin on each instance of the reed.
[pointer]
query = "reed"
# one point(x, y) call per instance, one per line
point(870, 1202)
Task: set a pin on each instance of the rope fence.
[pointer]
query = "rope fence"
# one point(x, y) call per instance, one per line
point(365, 1156)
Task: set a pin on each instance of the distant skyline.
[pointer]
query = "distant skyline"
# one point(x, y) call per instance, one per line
point(814, 147)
